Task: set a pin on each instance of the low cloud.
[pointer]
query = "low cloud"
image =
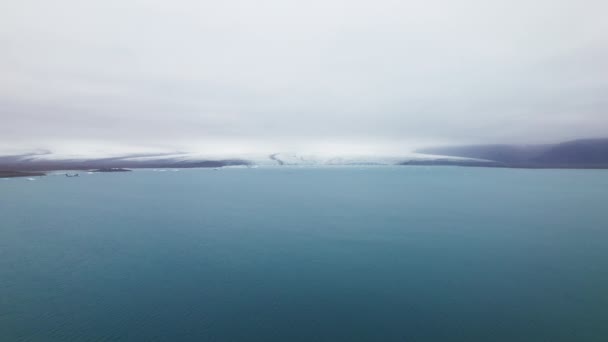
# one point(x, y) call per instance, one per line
point(241, 76)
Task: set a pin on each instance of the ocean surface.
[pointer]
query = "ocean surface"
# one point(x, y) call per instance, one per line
point(306, 254)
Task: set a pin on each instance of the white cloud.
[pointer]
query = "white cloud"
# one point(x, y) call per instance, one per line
point(242, 75)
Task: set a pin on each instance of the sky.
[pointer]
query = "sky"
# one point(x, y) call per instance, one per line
point(316, 76)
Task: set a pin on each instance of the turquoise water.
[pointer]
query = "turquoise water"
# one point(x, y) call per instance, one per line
point(304, 254)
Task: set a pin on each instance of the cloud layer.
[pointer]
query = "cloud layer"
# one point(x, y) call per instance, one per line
point(240, 76)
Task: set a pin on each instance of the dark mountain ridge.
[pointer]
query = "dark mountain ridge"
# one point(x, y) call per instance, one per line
point(582, 153)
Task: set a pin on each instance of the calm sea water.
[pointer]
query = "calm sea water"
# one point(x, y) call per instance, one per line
point(304, 254)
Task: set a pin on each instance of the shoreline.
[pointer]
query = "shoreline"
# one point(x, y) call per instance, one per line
point(14, 174)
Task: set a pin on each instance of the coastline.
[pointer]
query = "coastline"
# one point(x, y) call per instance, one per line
point(13, 174)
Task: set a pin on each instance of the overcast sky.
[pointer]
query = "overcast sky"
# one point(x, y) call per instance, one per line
point(314, 75)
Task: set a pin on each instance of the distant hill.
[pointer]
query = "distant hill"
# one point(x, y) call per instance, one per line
point(577, 152)
point(508, 154)
point(34, 162)
point(10, 174)
point(583, 153)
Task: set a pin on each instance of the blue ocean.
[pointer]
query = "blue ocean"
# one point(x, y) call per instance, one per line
point(306, 254)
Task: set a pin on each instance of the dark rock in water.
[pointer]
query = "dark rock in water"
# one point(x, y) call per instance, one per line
point(112, 169)
point(9, 174)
